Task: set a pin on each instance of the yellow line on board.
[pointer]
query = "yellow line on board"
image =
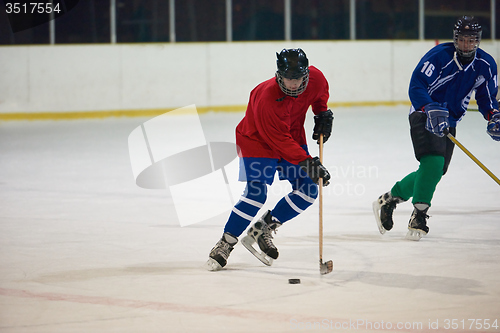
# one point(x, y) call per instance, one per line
point(18, 116)
point(108, 114)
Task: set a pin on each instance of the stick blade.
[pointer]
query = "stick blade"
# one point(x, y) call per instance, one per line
point(325, 268)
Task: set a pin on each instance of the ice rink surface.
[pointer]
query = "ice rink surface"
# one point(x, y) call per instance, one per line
point(84, 249)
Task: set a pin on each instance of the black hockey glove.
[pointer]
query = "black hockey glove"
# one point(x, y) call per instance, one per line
point(493, 127)
point(323, 122)
point(315, 170)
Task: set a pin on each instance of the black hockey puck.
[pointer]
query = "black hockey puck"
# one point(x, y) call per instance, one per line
point(294, 281)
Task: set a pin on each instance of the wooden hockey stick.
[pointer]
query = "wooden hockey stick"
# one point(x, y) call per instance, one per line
point(327, 267)
point(468, 153)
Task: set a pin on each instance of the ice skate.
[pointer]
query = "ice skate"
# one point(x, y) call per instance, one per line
point(417, 227)
point(383, 208)
point(220, 252)
point(260, 233)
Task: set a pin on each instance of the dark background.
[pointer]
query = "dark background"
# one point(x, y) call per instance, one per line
point(140, 21)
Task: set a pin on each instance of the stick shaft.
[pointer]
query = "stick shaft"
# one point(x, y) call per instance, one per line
point(468, 153)
point(321, 201)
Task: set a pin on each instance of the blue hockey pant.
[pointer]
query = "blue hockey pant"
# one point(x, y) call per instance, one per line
point(303, 194)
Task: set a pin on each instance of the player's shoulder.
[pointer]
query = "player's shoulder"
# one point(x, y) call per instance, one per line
point(315, 72)
point(442, 51)
point(316, 76)
point(267, 90)
point(484, 56)
point(265, 85)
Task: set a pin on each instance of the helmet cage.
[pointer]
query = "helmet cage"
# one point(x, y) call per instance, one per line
point(467, 27)
point(289, 92)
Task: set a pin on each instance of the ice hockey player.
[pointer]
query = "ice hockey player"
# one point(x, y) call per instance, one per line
point(270, 138)
point(440, 90)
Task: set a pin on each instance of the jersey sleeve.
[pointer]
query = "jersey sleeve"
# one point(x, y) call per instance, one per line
point(320, 103)
point(426, 72)
point(487, 91)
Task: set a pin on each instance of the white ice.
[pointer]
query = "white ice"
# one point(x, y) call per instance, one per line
point(83, 249)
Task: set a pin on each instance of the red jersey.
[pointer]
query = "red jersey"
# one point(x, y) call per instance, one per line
point(273, 125)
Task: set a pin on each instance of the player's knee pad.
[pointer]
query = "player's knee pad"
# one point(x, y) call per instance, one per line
point(252, 200)
point(305, 194)
point(427, 177)
point(299, 200)
point(431, 165)
point(307, 187)
point(256, 191)
point(246, 208)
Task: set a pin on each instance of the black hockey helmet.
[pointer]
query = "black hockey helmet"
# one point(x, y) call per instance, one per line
point(292, 64)
point(467, 26)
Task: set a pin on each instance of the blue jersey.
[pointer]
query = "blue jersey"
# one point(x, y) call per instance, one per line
point(440, 77)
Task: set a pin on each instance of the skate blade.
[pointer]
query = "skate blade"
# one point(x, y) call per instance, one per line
point(212, 265)
point(325, 268)
point(415, 234)
point(376, 212)
point(248, 242)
